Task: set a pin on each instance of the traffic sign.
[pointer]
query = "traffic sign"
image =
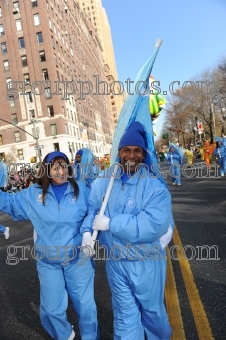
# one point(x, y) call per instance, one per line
point(38, 148)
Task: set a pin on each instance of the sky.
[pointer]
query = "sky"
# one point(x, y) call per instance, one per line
point(193, 34)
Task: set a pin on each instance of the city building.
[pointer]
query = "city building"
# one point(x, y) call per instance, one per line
point(97, 15)
point(52, 66)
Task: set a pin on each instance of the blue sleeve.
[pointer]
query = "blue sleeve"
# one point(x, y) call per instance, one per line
point(15, 205)
point(176, 156)
point(92, 212)
point(151, 222)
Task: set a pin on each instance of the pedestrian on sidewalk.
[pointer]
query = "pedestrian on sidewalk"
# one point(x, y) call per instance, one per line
point(56, 206)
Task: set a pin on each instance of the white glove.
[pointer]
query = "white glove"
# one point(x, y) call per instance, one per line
point(166, 238)
point(86, 244)
point(101, 223)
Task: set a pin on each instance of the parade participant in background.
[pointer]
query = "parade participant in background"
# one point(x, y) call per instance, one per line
point(5, 231)
point(161, 156)
point(137, 220)
point(189, 154)
point(201, 151)
point(85, 168)
point(56, 206)
point(207, 150)
point(3, 175)
point(175, 161)
point(220, 153)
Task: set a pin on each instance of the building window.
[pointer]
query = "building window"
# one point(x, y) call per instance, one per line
point(17, 136)
point(11, 101)
point(21, 43)
point(0, 12)
point(27, 78)
point(29, 97)
point(36, 19)
point(6, 65)
point(34, 3)
point(42, 56)
point(4, 48)
point(1, 140)
point(20, 154)
point(45, 75)
point(39, 37)
point(53, 129)
point(48, 92)
point(15, 7)
point(53, 42)
point(56, 146)
point(32, 114)
point(18, 25)
point(50, 110)
point(14, 118)
point(9, 83)
point(1, 30)
point(24, 60)
point(66, 129)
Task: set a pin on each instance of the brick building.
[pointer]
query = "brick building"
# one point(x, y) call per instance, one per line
point(52, 73)
point(98, 17)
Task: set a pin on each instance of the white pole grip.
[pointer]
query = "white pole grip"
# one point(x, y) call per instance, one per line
point(105, 201)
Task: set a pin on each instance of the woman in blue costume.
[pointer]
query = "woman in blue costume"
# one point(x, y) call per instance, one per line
point(56, 206)
point(174, 159)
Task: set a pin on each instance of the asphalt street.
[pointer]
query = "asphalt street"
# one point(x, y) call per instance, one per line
point(199, 207)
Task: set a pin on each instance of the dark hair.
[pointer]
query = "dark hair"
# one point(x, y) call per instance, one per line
point(44, 180)
point(217, 144)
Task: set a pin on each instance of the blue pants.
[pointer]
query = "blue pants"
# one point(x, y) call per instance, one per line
point(56, 282)
point(222, 165)
point(2, 229)
point(138, 299)
point(175, 173)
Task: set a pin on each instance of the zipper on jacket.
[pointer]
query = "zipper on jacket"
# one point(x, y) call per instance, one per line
point(122, 186)
point(58, 207)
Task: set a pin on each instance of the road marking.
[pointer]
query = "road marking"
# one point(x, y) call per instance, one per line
point(201, 321)
point(172, 303)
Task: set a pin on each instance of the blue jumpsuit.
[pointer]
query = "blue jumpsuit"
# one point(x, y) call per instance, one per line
point(3, 174)
point(140, 213)
point(57, 252)
point(174, 160)
point(220, 152)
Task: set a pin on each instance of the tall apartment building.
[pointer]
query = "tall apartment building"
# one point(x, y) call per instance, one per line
point(51, 61)
point(97, 15)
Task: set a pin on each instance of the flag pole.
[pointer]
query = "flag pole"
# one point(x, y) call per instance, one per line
point(130, 107)
point(105, 201)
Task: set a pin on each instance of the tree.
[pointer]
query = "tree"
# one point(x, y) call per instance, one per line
point(11, 156)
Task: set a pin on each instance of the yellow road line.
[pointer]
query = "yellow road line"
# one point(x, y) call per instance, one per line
point(172, 303)
point(201, 321)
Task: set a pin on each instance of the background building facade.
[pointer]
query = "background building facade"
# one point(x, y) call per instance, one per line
point(97, 15)
point(51, 71)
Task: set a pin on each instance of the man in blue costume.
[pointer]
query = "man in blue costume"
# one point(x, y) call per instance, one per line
point(135, 230)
